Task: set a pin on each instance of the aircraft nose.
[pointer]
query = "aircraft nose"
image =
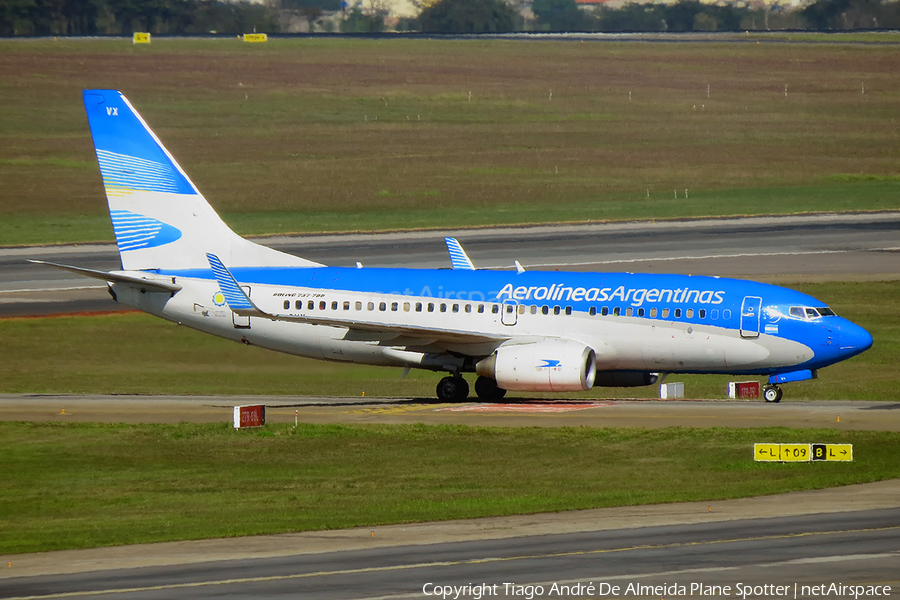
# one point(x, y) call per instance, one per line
point(853, 339)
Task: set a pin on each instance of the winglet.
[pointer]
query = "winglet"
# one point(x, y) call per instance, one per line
point(237, 299)
point(458, 257)
point(519, 268)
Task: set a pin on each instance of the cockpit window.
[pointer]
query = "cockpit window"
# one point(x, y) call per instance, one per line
point(807, 312)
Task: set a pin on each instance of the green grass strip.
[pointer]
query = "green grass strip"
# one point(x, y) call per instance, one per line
point(88, 485)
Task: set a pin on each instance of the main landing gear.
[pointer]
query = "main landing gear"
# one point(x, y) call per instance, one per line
point(456, 389)
point(772, 393)
point(452, 389)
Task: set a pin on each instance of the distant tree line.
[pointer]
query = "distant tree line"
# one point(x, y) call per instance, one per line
point(174, 17)
point(99, 17)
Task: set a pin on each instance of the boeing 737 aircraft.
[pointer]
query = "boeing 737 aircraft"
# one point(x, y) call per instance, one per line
point(517, 330)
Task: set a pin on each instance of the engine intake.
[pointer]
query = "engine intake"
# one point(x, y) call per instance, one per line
point(547, 366)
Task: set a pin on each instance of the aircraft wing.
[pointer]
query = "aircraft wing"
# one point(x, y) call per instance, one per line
point(153, 285)
point(240, 303)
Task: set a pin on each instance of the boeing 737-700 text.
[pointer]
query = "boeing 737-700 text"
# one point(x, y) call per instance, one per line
point(517, 330)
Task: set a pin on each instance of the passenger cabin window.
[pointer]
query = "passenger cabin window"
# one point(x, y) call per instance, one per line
point(652, 313)
point(468, 308)
point(568, 310)
point(665, 313)
point(382, 306)
point(346, 305)
point(604, 311)
point(545, 310)
point(702, 313)
point(689, 313)
point(298, 305)
point(617, 311)
point(556, 310)
point(287, 304)
point(677, 313)
point(456, 308)
point(322, 305)
point(395, 306)
point(480, 308)
point(443, 307)
point(334, 305)
point(406, 307)
point(629, 311)
point(640, 312)
point(418, 307)
point(370, 306)
point(495, 309)
point(593, 311)
point(311, 305)
point(431, 307)
point(359, 306)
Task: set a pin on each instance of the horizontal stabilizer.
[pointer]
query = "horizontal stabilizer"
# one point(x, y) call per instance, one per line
point(153, 285)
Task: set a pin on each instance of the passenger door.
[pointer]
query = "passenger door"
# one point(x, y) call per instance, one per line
point(750, 310)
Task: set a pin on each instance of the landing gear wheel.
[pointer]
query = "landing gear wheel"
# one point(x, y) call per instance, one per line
point(772, 394)
point(487, 389)
point(452, 389)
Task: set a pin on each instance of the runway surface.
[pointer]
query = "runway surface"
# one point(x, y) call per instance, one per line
point(862, 247)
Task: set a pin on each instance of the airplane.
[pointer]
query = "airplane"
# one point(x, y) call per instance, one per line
point(517, 331)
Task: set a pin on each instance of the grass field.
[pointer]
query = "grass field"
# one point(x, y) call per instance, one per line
point(337, 134)
point(139, 354)
point(62, 488)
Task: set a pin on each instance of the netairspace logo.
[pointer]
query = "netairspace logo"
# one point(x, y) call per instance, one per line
point(477, 591)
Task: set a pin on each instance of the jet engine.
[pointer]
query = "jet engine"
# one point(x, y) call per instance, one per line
point(546, 366)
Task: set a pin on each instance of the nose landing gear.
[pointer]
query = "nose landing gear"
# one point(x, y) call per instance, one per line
point(772, 393)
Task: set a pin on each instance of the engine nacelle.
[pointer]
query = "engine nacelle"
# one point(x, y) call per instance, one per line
point(547, 366)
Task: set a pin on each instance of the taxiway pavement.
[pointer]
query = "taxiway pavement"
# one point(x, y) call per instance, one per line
point(512, 412)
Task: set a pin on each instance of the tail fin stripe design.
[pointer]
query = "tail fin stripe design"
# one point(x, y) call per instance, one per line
point(127, 174)
point(134, 231)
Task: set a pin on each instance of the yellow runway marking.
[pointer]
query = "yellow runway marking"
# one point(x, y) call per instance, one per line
point(472, 561)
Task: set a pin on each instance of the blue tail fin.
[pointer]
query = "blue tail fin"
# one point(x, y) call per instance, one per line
point(160, 218)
